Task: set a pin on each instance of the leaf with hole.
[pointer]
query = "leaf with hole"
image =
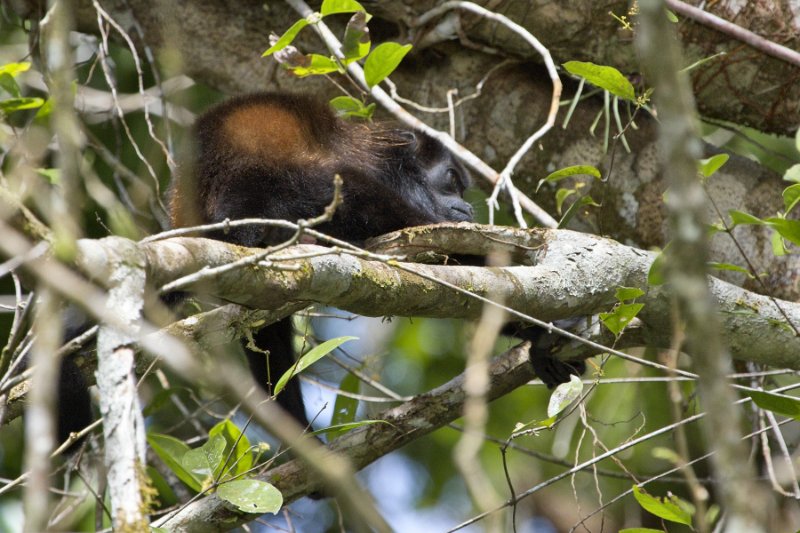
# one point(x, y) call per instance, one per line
point(565, 394)
point(620, 316)
point(356, 42)
point(206, 461)
point(252, 496)
point(628, 293)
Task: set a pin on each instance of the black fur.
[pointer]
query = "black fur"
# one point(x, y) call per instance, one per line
point(275, 156)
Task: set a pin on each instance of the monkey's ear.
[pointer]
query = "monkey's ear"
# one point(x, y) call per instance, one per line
point(410, 137)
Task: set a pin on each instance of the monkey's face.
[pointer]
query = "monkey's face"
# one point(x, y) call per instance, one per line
point(444, 180)
point(447, 179)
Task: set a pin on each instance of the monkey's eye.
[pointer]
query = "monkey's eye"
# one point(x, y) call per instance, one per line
point(454, 179)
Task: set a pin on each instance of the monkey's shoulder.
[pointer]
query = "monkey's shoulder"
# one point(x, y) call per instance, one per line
point(277, 127)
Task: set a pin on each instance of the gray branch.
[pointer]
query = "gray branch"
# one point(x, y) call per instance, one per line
point(572, 274)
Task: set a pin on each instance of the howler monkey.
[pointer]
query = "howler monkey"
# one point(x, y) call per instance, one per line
point(275, 156)
point(271, 155)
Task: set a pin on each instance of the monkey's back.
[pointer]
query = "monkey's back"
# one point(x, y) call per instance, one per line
point(271, 144)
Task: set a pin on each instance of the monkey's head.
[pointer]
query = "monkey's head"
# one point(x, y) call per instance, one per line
point(437, 179)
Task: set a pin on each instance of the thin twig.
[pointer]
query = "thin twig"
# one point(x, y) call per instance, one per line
point(758, 42)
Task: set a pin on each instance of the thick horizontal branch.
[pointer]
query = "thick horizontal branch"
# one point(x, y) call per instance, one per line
point(570, 274)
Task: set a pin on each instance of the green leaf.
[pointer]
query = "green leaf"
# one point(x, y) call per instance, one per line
point(701, 62)
point(158, 401)
point(287, 38)
point(45, 110)
point(206, 461)
point(311, 357)
point(739, 217)
point(607, 78)
point(640, 530)
point(583, 201)
point(655, 276)
point(53, 175)
point(17, 104)
point(382, 61)
point(561, 196)
point(344, 428)
point(331, 7)
point(564, 395)
point(535, 425)
point(778, 246)
point(316, 65)
point(9, 84)
point(793, 173)
point(620, 316)
point(796, 137)
point(782, 405)
point(242, 459)
point(788, 229)
point(712, 164)
point(171, 451)
point(628, 293)
point(672, 17)
point(346, 104)
point(12, 69)
point(566, 172)
point(352, 107)
point(252, 496)
point(791, 197)
point(712, 514)
point(665, 508)
point(729, 266)
point(344, 409)
point(356, 42)
point(667, 454)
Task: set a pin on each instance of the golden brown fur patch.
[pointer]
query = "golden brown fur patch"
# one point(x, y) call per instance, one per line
point(270, 132)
